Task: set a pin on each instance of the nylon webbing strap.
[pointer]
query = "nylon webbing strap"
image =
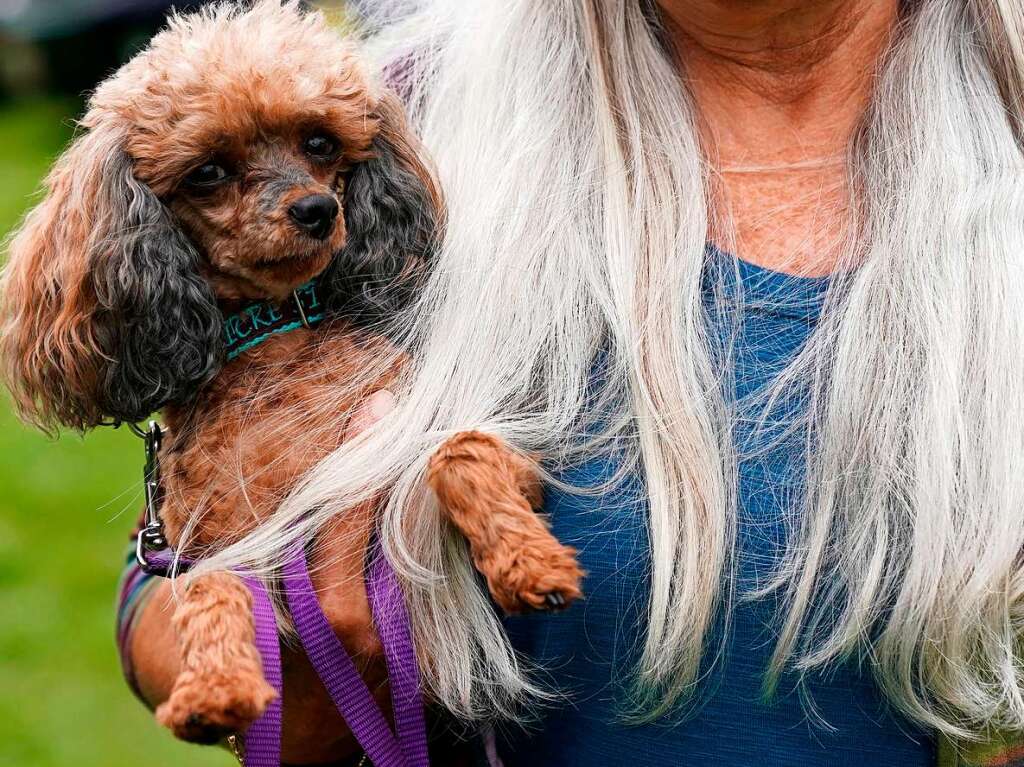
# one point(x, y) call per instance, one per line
point(385, 748)
point(343, 681)
point(261, 320)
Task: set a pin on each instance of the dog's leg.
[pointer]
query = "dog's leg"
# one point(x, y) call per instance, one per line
point(220, 689)
point(527, 480)
point(489, 493)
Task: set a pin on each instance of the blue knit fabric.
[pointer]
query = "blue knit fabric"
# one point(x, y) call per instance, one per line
point(589, 651)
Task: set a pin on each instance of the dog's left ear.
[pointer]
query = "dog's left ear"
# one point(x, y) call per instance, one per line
point(392, 216)
point(104, 313)
point(156, 315)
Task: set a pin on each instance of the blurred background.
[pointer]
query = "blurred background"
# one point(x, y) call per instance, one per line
point(67, 506)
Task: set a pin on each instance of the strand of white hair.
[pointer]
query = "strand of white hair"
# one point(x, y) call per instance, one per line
point(576, 227)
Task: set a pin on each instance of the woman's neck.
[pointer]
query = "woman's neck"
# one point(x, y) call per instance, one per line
point(780, 86)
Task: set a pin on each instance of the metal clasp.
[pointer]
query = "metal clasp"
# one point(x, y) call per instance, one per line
point(300, 308)
point(151, 537)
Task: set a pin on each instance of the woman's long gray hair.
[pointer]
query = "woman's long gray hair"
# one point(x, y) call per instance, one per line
point(577, 216)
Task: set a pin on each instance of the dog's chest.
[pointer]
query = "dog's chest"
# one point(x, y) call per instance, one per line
point(268, 417)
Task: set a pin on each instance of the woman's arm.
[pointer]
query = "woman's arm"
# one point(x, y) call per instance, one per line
point(146, 642)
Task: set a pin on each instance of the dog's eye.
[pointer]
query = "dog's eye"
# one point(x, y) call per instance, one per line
point(207, 174)
point(320, 146)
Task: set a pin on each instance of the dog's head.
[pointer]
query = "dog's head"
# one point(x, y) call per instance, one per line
point(240, 155)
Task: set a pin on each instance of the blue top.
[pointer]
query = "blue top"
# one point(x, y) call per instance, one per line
point(590, 650)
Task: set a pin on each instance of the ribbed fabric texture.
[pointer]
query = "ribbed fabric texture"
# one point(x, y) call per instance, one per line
point(839, 720)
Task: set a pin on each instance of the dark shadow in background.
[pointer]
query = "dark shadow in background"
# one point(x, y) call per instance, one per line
point(64, 47)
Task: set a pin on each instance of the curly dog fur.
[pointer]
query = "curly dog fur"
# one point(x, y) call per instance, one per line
point(176, 205)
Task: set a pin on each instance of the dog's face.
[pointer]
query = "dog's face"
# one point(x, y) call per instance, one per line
point(243, 153)
point(265, 211)
point(244, 125)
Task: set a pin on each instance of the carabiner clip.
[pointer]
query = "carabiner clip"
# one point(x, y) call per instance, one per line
point(151, 537)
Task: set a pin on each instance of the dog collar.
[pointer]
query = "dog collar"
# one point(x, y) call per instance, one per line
point(261, 320)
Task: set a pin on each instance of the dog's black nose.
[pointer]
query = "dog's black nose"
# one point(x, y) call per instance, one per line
point(315, 214)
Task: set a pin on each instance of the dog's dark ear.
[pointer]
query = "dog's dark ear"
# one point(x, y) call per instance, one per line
point(392, 217)
point(105, 314)
point(157, 318)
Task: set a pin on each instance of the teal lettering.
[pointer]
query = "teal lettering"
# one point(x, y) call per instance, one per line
point(309, 290)
point(263, 316)
point(235, 330)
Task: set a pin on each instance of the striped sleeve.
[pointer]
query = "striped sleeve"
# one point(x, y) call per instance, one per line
point(133, 592)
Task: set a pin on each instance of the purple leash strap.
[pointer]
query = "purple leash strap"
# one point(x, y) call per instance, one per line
point(333, 665)
point(343, 681)
point(387, 604)
point(326, 653)
point(263, 738)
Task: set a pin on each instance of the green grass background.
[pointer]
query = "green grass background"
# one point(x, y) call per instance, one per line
point(66, 509)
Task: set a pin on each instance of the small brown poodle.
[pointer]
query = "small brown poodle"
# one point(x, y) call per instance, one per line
point(239, 157)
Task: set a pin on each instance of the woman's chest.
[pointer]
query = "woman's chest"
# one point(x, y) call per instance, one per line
point(590, 652)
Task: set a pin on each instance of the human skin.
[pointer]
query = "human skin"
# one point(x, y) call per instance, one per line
point(779, 87)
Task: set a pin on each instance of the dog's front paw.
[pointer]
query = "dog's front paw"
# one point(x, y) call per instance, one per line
point(531, 575)
point(205, 708)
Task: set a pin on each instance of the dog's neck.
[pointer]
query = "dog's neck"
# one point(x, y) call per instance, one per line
point(248, 324)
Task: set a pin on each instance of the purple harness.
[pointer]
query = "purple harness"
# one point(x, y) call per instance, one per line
point(406, 746)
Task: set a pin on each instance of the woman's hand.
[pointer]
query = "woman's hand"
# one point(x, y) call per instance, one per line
point(313, 731)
